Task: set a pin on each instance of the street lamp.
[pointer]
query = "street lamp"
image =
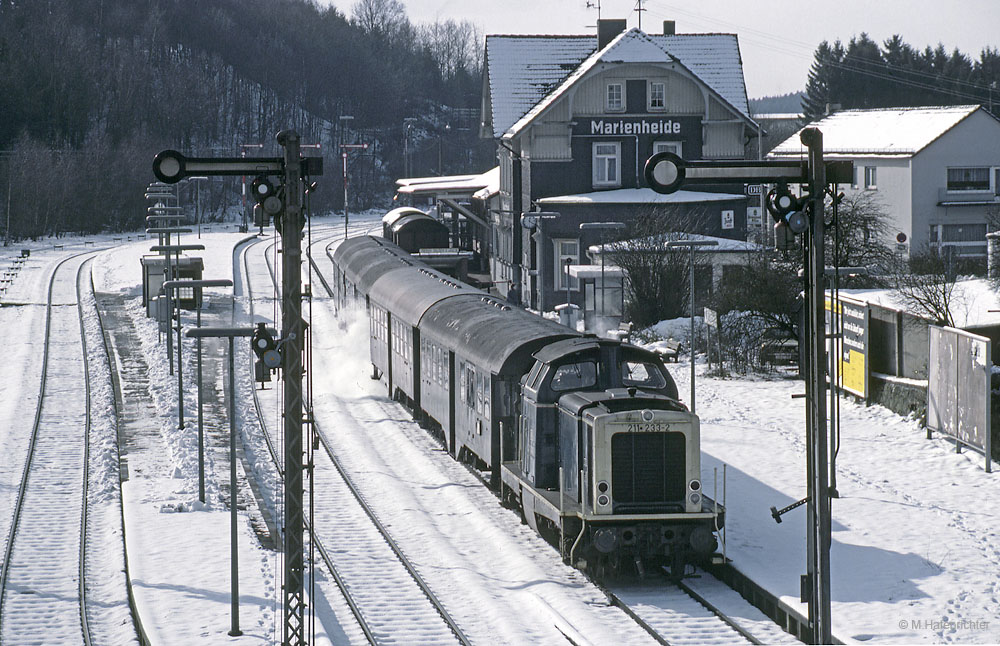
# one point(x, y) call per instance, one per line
point(407, 129)
point(230, 333)
point(602, 226)
point(343, 155)
point(197, 286)
point(244, 227)
point(691, 244)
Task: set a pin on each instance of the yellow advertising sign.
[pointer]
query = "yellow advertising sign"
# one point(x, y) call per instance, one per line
point(847, 323)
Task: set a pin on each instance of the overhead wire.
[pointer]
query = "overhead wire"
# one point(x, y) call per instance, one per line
point(882, 71)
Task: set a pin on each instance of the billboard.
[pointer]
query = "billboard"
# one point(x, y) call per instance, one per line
point(847, 334)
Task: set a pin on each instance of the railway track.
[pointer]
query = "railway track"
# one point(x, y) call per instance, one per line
point(372, 574)
point(44, 590)
point(699, 610)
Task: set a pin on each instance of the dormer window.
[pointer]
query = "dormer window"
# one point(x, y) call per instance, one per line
point(657, 96)
point(616, 98)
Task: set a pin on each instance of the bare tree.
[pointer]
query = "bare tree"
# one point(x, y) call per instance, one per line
point(454, 45)
point(861, 232)
point(927, 285)
point(380, 17)
point(658, 275)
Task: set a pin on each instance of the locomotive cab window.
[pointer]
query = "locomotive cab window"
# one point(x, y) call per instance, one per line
point(642, 374)
point(572, 376)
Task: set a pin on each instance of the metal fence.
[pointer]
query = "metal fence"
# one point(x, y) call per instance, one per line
point(958, 390)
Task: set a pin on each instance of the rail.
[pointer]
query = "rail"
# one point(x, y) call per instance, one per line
point(369, 512)
point(29, 459)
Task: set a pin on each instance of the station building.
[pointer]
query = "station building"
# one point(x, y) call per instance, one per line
point(934, 170)
point(576, 117)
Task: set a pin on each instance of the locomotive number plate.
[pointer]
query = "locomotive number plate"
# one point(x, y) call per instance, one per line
point(641, 427)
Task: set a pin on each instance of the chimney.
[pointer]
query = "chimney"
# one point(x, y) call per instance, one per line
point(669, 28)
point(607, 29)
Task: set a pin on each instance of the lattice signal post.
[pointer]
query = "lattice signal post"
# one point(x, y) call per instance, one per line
point(291, 172)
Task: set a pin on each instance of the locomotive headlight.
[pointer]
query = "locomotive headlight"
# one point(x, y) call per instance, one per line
point(694, 485)
point(603, 486)
point(647, 415)
point(695, 498)
point(603, 500)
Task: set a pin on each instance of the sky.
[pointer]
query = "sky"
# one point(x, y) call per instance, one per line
point(777, 37)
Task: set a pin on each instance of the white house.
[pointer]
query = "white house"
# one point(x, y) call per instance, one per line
point(935, 170)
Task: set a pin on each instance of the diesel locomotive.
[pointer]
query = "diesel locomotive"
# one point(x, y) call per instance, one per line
point(585, 436)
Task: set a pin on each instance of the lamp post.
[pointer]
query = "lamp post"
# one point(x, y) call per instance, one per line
point(603, 226)
point(230, 333)
point(166, 250)
point(197, 286)
point(691, 244)
point(407, 129)
point(244, 227)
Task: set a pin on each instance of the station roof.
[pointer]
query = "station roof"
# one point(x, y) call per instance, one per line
point(528, 73)
point(450, 185)
point(639, 196)
point(883, 132)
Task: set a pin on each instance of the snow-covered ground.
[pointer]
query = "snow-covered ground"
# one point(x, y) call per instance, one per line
point(915, 536)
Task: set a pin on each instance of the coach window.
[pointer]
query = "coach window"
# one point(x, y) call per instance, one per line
point(657, 97)
point(616, 101)
point(566, 250)
point(606, 164)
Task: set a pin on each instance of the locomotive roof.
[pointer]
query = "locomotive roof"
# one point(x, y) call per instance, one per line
point(365, 259)
point(550, 353)
point(491, 333)
point(409, 291)
point(618, 399)
point(399, 212)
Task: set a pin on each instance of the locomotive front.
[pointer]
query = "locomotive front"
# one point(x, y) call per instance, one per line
point(633, 463)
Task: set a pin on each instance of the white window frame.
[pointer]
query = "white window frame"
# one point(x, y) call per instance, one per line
point(947, 179)
point(600, 167)
point(560, 255)
point(651, 105)
point(674, 147)
point(871, 178)
point(614, 97)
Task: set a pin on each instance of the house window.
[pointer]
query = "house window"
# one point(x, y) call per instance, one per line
point(607, 164)
point(667, 147)
point(616, 102)
point(870, 179)
point(566, 250)
point(657, 96)
point(969, 179)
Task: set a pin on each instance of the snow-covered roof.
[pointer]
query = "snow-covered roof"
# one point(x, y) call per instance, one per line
point(883, 131)
point(640, 196)
point(525, 70)
point(725, 245)
point(492, 179)
point(974, 302)
point(462, 184)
